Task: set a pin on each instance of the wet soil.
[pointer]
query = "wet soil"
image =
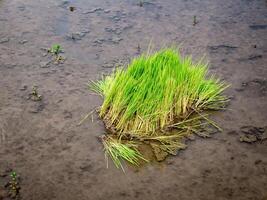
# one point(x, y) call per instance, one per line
point(56, 159)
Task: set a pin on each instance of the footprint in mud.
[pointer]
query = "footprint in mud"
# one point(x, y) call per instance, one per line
point(95, 10)
point(77, 35)
point(118, 16)
point(99, 42)
point(114, 40)
point(86, 167)
point(116, 31)
point(45, 64)
point(252, 57)
point(149, 6)
point(64, 4)
point(258, 87)
point(251, 134)
point(258, 27)
point(115, 63)
point(21, 7)
point(67, 114)
point(227, 49)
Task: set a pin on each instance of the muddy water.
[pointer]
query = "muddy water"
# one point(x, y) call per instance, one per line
point(57, 159)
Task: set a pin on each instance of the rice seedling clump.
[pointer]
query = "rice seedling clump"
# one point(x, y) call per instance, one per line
point(157, 93)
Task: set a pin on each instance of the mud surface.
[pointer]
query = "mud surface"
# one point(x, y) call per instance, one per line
point(56, 159)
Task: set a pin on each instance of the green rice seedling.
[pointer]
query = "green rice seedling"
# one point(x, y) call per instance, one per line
point(157, 93)
point(119, 151)
point(55, 49)
point(14, 187)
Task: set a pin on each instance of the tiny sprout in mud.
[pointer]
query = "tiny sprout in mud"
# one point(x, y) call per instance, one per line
point(141, 3)
point(195, 20)
point(55, 49)
point(35, 96)
point(13, 185)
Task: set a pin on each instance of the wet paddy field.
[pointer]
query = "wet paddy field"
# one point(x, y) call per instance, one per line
point(58, 160)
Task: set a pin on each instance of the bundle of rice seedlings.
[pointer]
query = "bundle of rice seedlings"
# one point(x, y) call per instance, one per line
point(157, 93)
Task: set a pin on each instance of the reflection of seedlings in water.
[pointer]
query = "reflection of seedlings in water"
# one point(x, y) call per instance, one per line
point(159, 100)
point(141, 3)
point(35, 96)
point(195, 20)
point(72, 8)
point(13, 186)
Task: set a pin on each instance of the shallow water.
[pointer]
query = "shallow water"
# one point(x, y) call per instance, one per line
point(59, 160)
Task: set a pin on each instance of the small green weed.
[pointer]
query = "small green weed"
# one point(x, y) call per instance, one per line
point(55, 49)
point(13, 185)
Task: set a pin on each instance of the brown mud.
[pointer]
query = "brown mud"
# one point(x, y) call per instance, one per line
point(56, 159)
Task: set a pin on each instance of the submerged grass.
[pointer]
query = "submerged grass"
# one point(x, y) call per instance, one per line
point(119, 151)
point(155, 93)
